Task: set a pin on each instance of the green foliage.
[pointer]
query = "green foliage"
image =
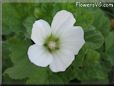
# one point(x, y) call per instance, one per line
point(101, 22)
point(22, 67)
point(28, 22)
point(18, 44)
point(89, 66)
point(11, 19)
point(109, 41)
point(94, 39)
point(93, 63)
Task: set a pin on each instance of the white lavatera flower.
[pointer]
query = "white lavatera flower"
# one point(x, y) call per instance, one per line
point(57, 45)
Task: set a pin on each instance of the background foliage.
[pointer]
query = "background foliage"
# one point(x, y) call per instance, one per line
point(92, 64)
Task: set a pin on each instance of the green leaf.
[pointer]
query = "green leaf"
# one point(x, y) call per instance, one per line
point(54, 79)
point(109, 40)
point(101, 22)
point(106, 62)
point(5, 56)
point(109, 44)
point(19, 71)
point(111, 55)
point(94, 39)
point(37, 76)
point(18, 47)
point(24, 69)
point(92, 57)
point(12, 21)
point(91, 70)
point(84, 17)
point(28, 23)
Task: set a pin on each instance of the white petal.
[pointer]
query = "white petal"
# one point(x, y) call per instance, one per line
point(61, 60)
point(39, 56)
point(73, 39)
point(40, 31)
point(62, 20)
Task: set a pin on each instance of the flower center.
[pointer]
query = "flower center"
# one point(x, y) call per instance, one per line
point(52, 43)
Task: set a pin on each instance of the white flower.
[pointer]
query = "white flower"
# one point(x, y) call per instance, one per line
point(57, 45)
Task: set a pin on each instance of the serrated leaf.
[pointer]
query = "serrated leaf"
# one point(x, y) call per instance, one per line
point(25, 69)
point(101, 22)
point(91, 69)
point(89, 57)
point(18, 46)
point(92, 57)
point(109, 44)
point(94, 39)
point(19, 71)
point(84, 15)
point(37, 76)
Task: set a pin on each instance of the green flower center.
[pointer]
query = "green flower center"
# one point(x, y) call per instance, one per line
point(52, 43)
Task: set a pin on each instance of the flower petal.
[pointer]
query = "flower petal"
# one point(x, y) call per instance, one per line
point(61, 60)
point(62, 20)
point(40, 31)
point(73, 39)
point(39, 56)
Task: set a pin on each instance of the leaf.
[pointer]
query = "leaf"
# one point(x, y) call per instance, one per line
point(94, 39)
point(12, 21)
point(18, 52)
point(5, 56)
point(84, 17)
point(25, 69)
point(106, 62)
point(111, 55)
point(109, 44)
point(18, 47)
point(109, 40)
point(101, 22)
point(39, 77)
point(54, 79)
point(91, 70)
point(7, 80)
point(92, 57)
point(28, 23)
point(19, 71)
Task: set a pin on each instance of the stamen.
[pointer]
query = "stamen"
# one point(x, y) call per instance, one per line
point(52, 45)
